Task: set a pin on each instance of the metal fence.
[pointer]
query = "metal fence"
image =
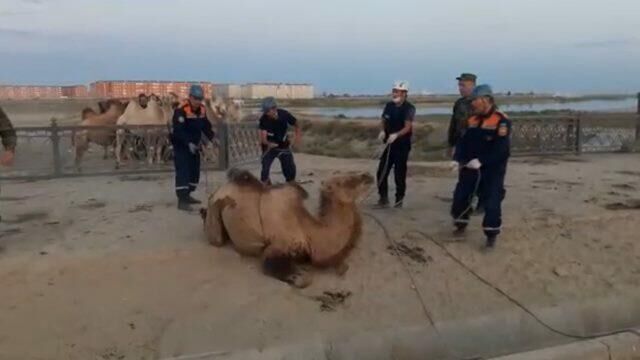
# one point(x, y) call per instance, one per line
point(52, 151)
point(577, 133)
point(60, 151)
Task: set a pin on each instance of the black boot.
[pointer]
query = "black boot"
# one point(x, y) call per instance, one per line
point(460, 229)
point(192, 200)
point(383, 202)
point(491, 242)
point(183, 204)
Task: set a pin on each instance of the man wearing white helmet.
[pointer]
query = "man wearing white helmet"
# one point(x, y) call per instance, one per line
point(397, 124)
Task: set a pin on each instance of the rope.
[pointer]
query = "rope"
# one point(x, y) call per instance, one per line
point(376, 156)
point(414, 286)
point(474, 194)
point(514, 301)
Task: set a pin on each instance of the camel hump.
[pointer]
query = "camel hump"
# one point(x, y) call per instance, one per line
point(86, 112)
point(243, 177)
point(300, 190)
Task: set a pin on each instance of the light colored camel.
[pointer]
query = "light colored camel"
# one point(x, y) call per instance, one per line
point(272, 222)
point(227, 110)
point(113, 109)
point(154, 114)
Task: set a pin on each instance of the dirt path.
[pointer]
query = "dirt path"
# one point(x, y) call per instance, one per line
point(106, 268)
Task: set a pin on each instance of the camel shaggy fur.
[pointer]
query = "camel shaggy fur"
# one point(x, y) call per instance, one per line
point(155, 140)
point(111, 111)
point(273, 223)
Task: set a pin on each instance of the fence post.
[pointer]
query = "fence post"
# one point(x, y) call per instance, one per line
point(638, 120)
point(579, 134)
point(223, 152)
point(55, 142)
point(570, 133)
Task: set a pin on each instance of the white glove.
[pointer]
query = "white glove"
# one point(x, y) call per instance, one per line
point(392, 138)
point(193, 148)
point(474, 164)
point(454, 166)
point(381, 136)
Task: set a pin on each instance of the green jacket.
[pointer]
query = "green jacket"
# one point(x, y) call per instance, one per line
point(461, 113)
point(7, 132)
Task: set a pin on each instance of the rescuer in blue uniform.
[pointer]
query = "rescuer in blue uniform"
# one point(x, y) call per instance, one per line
point(188, 124)
point(274, 140)
point(397, 128)
point(482, 155)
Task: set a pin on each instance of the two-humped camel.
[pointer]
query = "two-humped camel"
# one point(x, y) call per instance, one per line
point(273, 223)
point(154, 138)
point(111, 111)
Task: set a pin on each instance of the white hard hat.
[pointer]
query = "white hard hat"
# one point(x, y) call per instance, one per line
point(401, 85)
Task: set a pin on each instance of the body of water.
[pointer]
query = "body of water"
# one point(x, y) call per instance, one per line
point(627, 105)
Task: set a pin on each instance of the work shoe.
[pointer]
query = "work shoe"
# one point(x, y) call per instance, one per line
point(491, 242)
point(184, 205)
point(460, 229)
point(399, 203)
point(192, 200)
point(383, 202)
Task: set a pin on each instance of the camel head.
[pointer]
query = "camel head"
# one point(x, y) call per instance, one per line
point(114, 105)
point(347, 188)
point(156, 98)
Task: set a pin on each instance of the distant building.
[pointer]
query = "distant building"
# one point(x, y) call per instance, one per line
point(277, 90)
point(131, 88)
point(228, 91)
point(28, 92)
point(75, 91)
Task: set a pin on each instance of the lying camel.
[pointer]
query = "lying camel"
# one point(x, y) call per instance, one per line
point(273, 223)
point(113, 109)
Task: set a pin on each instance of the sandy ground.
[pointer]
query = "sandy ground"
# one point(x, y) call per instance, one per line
point(107, 268)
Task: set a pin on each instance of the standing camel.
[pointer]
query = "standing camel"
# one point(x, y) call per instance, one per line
point(113, 109)
point(154, 114)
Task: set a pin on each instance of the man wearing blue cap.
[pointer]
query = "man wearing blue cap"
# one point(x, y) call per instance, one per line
point(274, 125)
point(482, 154)
point(189, 123)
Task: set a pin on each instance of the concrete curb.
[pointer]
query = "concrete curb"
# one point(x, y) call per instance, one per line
point(485, 337)
point(623, 346)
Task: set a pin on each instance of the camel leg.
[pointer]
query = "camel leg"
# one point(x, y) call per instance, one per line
point(278, 264)
point(118, 151)
point(80, 150)
point(150, 148)
point(81, 146)
point(159, 147)
point(213, 226)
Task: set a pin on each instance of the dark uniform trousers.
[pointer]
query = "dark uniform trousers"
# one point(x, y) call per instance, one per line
point(488, 140)
point(187, 167)
point(188, 127)
point(394, 156)
point(286, 162)
point(488, 184)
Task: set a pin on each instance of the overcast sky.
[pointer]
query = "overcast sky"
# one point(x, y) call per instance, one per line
point(359, 46)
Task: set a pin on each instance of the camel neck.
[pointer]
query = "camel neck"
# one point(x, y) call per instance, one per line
point(335, 232)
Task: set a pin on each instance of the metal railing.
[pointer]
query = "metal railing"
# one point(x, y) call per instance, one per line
point(52, 151)
point(67, 151)
point(577, 133)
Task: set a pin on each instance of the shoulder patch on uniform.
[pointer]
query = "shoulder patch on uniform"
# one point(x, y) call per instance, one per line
point(503, 129)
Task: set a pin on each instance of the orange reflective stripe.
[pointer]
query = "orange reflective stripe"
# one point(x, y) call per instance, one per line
point(490, 123)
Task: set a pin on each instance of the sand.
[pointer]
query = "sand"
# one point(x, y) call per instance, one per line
point(107, 268)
